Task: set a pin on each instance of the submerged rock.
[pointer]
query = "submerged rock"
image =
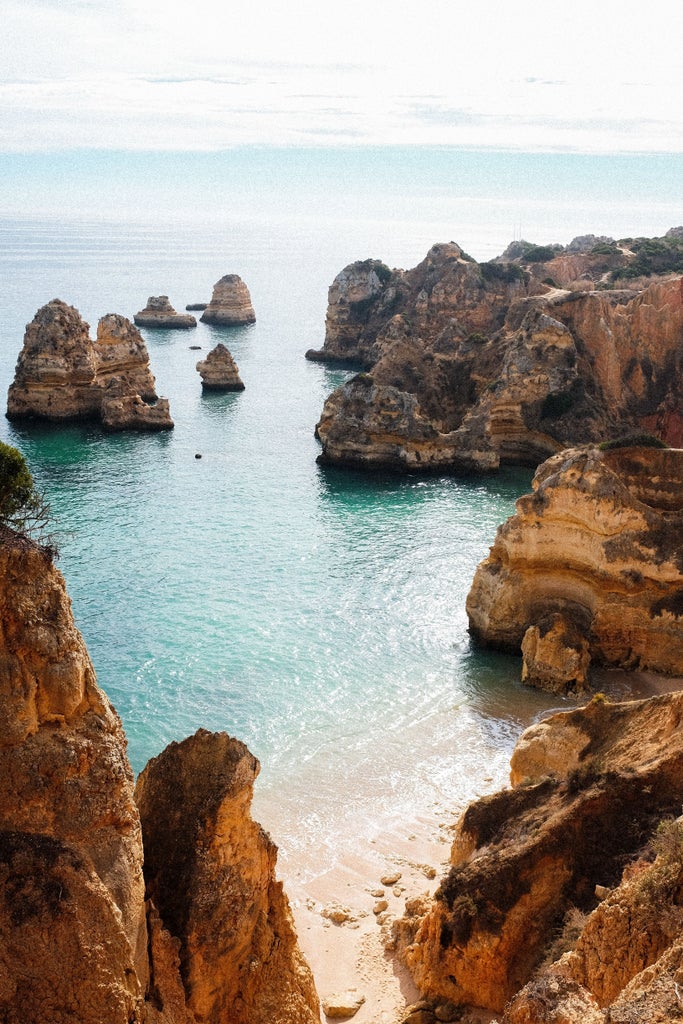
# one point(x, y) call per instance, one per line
point(230, 303)
point(598, 542)
point(62, 375)
point(219, 371)
point(160, 313)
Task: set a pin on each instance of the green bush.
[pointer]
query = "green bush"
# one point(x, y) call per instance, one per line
point(22, 506)
point(539, 254)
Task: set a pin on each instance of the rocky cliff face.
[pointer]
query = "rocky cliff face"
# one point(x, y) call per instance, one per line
point(488, 363)
point(72, 914)
point(219, 371)
point(62, 375)
point(160, 313)
point(574, 858)
point(77, 939)
point(595, 554)
point(230, 303)
point(210, 871)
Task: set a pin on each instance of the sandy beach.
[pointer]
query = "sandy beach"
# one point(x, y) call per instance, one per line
point(343, 914)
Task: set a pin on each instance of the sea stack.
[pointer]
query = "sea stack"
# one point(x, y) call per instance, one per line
point(219, 371)
point(62, 375)
point(160, 313)
point(230, 303)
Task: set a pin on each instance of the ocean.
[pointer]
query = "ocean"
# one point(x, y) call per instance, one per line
point(317, 614)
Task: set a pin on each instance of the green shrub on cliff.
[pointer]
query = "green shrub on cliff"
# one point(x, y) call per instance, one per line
point(22, 506)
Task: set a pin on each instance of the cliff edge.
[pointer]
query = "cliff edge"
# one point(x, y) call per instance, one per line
point(467, 366)
point(589, 567)
point(564, 899)
point(79, 937)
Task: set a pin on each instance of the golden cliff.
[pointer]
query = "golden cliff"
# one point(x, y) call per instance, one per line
point(62, 375)
point(564, 897)
point(467, 365)
point(591, 564)
point(79, 937)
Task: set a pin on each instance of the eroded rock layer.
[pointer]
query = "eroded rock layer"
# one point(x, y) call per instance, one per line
point(230, 303)
point(63, 375)
point(72, 914)
point(160, 313)
point(210, 870)
point(78, 940)
point(219, 371)
point(574, 858)
point(597, 543)
point(470, 365)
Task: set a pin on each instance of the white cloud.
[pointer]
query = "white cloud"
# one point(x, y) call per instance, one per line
point(159, 74)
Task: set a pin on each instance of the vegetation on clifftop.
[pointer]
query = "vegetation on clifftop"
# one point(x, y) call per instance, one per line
point(22, 506)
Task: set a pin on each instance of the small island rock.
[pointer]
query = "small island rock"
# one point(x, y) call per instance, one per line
point(62, 375)
point(160, 313)
point(219, 371)
point(230, 303)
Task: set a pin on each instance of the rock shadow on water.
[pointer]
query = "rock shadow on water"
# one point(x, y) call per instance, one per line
point(217, 404)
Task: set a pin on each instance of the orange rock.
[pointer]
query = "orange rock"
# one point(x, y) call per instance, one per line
point(210, 870)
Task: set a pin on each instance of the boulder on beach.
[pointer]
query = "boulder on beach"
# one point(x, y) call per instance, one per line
point(219, 371)
point(160, 313)
point(230, 303)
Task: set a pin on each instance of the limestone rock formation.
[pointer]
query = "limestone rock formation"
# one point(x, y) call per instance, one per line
point(219, 371)
point(230, 303)
point(495, 364)
point(210, 871)
point(598, 542)
point(160, 313)
point(56, 371)
point(63, 375)
point(72, 914)
point(78, 940)
point(552, 851)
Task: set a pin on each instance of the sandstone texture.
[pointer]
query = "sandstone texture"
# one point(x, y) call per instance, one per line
point(590, 566)
point(160, 313)
point(72, 915)
point(219, 371)
point(468, 366)
point(230, 303)
point(80, 939)
point(210, 871)
point(62, 375)
point(564, 899)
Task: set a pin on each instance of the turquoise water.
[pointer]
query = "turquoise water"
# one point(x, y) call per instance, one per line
point(314, 613)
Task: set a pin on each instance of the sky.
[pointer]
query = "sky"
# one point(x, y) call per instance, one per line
point(593, 76)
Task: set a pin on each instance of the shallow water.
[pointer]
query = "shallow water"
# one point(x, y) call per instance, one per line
point(316, 614)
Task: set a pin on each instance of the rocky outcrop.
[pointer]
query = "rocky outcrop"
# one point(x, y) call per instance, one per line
point(78, 941)
point(210, 870)
point(539, 870)
point(219, 371)
point(598, 544)
point(490, 364)
point(72, 914)
point(63, 375)
point(230, 303)
point(160, 313)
